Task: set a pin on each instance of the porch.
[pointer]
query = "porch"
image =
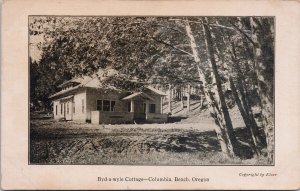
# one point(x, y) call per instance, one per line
point(141, 108)
point(99, 117)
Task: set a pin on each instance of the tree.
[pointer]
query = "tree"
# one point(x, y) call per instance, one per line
point(151, 50)
point(223, 126)
point(227, 58)
point(263, 38)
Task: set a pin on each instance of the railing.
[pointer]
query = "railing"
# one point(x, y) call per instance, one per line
point(106, 117)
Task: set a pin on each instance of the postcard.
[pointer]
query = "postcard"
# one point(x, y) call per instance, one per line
point(178, 95)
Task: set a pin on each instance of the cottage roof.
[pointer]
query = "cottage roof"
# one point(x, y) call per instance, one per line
point(91, 81)
point(66, 98)
point(64, 91)
point(136, 94)
point(95, 81)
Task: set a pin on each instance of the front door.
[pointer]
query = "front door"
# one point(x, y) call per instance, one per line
point(139, 111)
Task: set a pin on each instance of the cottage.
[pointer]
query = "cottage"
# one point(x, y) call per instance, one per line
point(85, 99)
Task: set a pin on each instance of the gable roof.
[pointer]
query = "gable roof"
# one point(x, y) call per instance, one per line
point(64, 91)
point(95, 81)
point(142, 94)
point(91, 81)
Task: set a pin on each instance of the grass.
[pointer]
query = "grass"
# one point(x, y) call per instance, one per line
point(54, 142)
point(173, 159)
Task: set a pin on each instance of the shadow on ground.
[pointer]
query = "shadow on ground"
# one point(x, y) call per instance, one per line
point(55, 146)
point(68, 146)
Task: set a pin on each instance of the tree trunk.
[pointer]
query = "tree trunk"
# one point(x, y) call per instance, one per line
point(202, 97)
point(263, 37)
point(188, 98)
point(245, 97)
point(221, 129)
point(219, 93)
point(170, 98)
point(181, 97)
point(181, 103)
point(258, 140)
point(245, 117)
point(243, 108)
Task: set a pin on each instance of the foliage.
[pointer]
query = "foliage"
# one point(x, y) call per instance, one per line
point(158, 50)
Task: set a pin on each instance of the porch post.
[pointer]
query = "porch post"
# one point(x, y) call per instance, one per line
point(131, 105)
point(147, 106)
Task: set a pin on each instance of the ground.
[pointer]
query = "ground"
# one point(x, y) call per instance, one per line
point(189, 140)
point(149, 144)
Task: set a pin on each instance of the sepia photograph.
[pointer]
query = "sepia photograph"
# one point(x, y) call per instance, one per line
point(151, 90)
point(150, 95)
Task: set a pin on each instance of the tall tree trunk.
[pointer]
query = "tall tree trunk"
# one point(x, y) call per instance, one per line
point(242, 84)
point(245, 97)
point(226, 142)
point(181, 97)
point(245, 117)
point(242, 107)
point(202, 97)
point(219, 93)
point(188, 97)
point(245, 100)
point(263, 37)
point(170, 98)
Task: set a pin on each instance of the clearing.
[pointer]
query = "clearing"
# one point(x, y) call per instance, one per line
point(55, 142)
point(189, 140)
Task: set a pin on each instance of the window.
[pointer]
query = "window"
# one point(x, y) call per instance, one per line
point(82, 101)
point(152, 108)
point(56, 109)
point(61, 108)
point(99, 105)
point(73, 107)
point(106, 105)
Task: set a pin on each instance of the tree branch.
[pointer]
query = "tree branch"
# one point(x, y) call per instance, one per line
point(169, 28)
point(242, 32)
point(222, 26)
point(172, 46)
point(197, 22)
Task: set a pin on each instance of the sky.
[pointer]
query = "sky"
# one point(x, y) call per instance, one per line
point(34, 51)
